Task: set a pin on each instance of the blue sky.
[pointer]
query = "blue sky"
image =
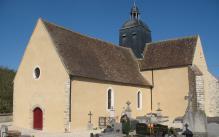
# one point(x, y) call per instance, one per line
point(102, 19)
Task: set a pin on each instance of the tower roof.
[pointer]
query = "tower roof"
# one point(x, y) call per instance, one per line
point(134, 19)
point(133, 23)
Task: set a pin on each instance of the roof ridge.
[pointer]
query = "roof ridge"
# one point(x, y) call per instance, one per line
point(173, 39)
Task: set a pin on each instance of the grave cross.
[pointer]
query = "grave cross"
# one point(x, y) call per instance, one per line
point(90, 115)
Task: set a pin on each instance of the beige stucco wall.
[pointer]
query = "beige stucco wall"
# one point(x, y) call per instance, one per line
point(170, 88)
point(91, 95)
point(47, 92)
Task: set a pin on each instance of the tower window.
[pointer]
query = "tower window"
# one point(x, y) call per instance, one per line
point(134, 33)
point(124, 35)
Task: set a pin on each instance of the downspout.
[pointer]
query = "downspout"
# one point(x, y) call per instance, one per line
point(152, 79)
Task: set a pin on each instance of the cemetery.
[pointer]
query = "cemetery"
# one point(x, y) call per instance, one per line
point(149, 125)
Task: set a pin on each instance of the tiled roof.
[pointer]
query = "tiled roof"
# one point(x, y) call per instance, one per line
point(92, 58)
point(169, 53)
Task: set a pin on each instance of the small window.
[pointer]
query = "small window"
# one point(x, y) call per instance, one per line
point(134, 33)
point(36, 73)
point(124, 35)
point(110, 99)
point(139, 100)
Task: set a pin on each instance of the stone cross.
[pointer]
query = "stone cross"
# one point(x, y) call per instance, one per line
point(90, 115)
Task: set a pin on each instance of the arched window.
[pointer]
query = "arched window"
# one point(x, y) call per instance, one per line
point(139, 100)
point(110, 99)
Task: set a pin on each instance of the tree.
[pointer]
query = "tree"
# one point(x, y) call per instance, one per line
point(6, 90)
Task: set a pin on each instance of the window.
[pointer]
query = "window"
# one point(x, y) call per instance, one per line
point(36, 73)
point(110, 99)
point(124, 35)
point(139, 100)
point(134, 34)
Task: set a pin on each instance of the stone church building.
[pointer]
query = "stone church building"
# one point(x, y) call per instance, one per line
point(64, 75)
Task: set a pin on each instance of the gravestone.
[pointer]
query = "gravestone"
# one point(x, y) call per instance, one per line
point(4, 130)
point(118, 128)
point(128, 110)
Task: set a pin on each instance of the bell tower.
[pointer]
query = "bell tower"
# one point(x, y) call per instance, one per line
point(134, 33)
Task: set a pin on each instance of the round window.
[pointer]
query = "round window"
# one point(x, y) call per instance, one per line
point(36, 72)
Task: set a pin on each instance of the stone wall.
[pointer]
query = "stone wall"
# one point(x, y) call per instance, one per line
point(200, 93)
point(196, 88)
point(192, 88)
point(212, 96)
point(67, 105)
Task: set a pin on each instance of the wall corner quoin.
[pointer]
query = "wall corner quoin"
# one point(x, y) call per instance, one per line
point(67, 110)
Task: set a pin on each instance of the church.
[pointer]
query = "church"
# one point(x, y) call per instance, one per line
point(64, 75)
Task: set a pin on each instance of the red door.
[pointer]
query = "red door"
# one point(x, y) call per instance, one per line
point(37, 119)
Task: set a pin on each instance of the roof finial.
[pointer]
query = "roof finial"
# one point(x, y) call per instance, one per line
point(134, 3)
point(134, 11)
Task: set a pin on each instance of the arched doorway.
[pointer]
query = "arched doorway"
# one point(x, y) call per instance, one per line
point(37, 118)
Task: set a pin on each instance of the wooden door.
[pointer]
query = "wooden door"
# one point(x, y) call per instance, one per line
point(37, 119)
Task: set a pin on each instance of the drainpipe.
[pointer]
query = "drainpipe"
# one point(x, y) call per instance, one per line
point(152, 79)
